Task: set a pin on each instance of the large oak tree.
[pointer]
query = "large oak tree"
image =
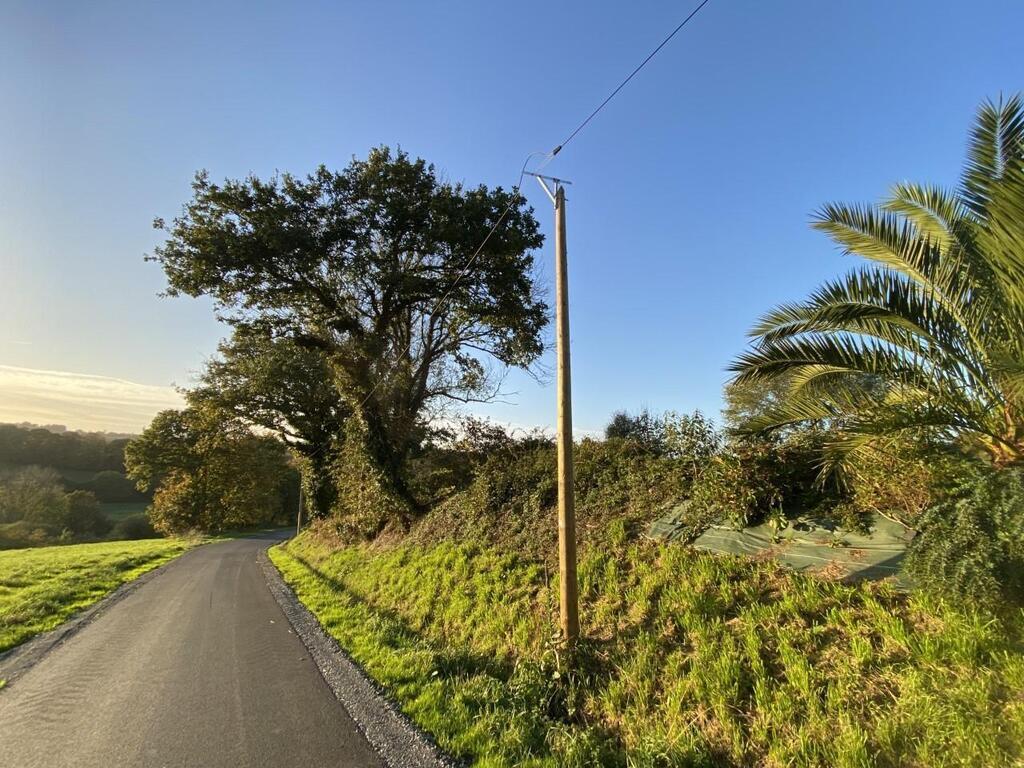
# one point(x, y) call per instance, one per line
point(369, 265)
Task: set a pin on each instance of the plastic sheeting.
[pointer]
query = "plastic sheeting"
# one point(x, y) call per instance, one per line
point(805, 544)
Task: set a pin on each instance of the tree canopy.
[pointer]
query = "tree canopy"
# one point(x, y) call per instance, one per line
point(286, 388)
point(208, 470)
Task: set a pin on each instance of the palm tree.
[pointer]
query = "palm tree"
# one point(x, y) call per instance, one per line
point(928, 337)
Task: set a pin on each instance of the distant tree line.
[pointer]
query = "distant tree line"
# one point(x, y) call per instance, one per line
point(67, 450)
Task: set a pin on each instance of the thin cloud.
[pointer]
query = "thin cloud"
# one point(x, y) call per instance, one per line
point(80, 401)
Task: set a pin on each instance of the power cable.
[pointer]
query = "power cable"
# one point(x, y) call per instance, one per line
point(623, 84)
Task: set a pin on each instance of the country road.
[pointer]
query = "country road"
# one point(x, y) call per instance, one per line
point(197, 667)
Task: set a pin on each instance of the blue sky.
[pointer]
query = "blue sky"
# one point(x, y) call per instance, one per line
point(691, 192)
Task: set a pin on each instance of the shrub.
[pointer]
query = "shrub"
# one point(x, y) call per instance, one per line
point(643, 428)
point(753, 478)
point(901, 478)
point(692, 437)
point(447, 463)
point(971, 547)
point(625, 480)
point(134, 527)
point(621, 485)
point(367, 499)
point(84, 517)
point(22, 534)
point(737, 488)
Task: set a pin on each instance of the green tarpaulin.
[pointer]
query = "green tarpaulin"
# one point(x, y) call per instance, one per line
point(806, 543)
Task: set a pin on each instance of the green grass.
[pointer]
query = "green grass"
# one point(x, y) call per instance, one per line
point(118, 510)
point(690, 659)
point(42, 587)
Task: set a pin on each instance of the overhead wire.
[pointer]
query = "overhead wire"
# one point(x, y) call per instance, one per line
point(623, 84)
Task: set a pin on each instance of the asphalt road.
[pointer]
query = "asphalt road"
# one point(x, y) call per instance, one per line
point(197, 667)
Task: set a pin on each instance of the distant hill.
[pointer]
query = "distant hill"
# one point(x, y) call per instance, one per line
point(87, 461)
point(96, 451)
point(60, 429)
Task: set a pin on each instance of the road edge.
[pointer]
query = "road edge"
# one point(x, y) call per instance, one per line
point(16, 661)
point(396, 738)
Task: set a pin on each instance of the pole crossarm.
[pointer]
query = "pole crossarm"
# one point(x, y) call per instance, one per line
point(557, 183)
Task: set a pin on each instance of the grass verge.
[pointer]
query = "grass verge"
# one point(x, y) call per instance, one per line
point(690, 659)
point(42, 587)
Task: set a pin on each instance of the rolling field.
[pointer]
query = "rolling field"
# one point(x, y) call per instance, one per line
point(44, 586)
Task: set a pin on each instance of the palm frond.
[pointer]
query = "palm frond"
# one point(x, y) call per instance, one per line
point(931, 334)
point(936, 214)
point(996, 143)
point(882, 304)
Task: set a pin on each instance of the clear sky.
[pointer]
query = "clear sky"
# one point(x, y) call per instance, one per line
point(691, 192)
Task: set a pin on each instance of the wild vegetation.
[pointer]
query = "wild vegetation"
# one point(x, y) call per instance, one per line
point(41, 588)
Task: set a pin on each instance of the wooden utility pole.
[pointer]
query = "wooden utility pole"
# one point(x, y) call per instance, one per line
point(298, 518)
point(569, 590)
point(568, 583)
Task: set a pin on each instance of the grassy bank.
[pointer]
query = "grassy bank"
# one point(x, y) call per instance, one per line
point(690, 659)
point(42, 587)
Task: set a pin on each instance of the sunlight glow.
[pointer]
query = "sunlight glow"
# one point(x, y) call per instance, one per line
point(80, 401)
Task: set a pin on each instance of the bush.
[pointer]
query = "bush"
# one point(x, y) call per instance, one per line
point(447, 463)
point(367, 499)
point(84, 518)
point(971, 547)
point(692, 437)
point(901, 478)
point(134, 527)
point(737, 487)
point(22, 534)
point(625, 480)
point(644, 429)
point(621, 485)
point(110, 486)
point(754, 478)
